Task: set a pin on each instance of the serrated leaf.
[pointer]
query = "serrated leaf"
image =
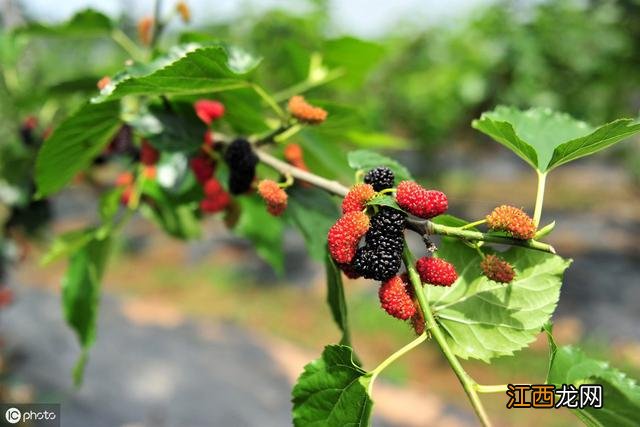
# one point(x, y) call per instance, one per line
point(546, 139)
point(265, 231)
point(483, 319)
point(85, 23)
point(332, 391)
point(335, 298)
point(81, 292)
point(384, 200)
point(74, 144)
point(621, 394)
point(203, 70)
point(312, 212)
point(365, 160)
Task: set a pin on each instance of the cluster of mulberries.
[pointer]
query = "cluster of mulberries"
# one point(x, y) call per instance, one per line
point(513, 221)
point(242, 163)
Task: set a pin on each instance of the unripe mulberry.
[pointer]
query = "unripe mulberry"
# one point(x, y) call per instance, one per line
point(202, 167)
point(344, 235)
point(357, 198)
point(149, 172)
point(242, 163)
point(293, 154)
point(148, 154)
point(497, 269)
point(380, 178)
point(274, 196)
point(305, 112)
point(124, 179)
point(183, 9)
point(512, 220)
point(214, 204)
point(212, 187)
point(208, 110)
point(395, 299)
point(104, 82)
point(145, 30)
point(419, 201)
point(436, 271)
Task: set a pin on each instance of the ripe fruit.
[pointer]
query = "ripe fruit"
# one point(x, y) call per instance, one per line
point(273, 195)
point(356, 199)
point(242, 163)
point(381, 256)
point(148, 154)
point(395, 299)
point(419, 201)
point(202, 167)
point(512, 220)
point(208, 110)
point(305, 112)
point(344, 235)
point(212, 187)
point(436, 271)
point(380, 178)
point(497, 269)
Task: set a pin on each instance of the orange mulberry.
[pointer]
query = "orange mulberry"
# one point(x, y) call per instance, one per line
point(274, 196)
point(305, 112)
point(357, 198)
point(513, 221)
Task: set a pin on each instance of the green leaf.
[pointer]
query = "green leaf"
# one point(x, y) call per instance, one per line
point(335, 298)
point(384, 200)
point(621, 394)
point(312, 212)
point(203, 70)
point(83, 24)
point(546, 139)
point(109, 204)
point(263, 230)
point(74, 144)
point(81, 292)
point(364, 160)
point(483, 319)
point(67, 243)
point(332, 391)
point(355, 56)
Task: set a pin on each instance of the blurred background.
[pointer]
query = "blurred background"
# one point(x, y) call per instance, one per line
point(204, 332)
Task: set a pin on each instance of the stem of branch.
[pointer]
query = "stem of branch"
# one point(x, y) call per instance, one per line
point(425, 227)
point(467, 382)
point(537, 213)
point(500, 388)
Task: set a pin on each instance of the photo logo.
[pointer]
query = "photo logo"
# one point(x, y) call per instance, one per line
point(13, 415)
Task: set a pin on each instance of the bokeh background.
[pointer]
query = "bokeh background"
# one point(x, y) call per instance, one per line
point(205, 332)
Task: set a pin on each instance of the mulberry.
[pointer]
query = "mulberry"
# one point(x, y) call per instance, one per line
point(242, 163)
point(148, 154)
point(208, 110)
point(497, 269)
point(357, 197)
point(512, 220)
point(345, 234)
point(436, 271)
point(305, 112)
point(273, 195)
point(380, 178)
point(419, 201)
point(203, 168)
point(395, 299)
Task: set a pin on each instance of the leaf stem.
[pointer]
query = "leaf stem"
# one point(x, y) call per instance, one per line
point(500, 388)
point(473, 224)
point(537, 213)
point(395, 356)
point(467, 382)
point(306, 85)
point(128, 45)
point(270, 101)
